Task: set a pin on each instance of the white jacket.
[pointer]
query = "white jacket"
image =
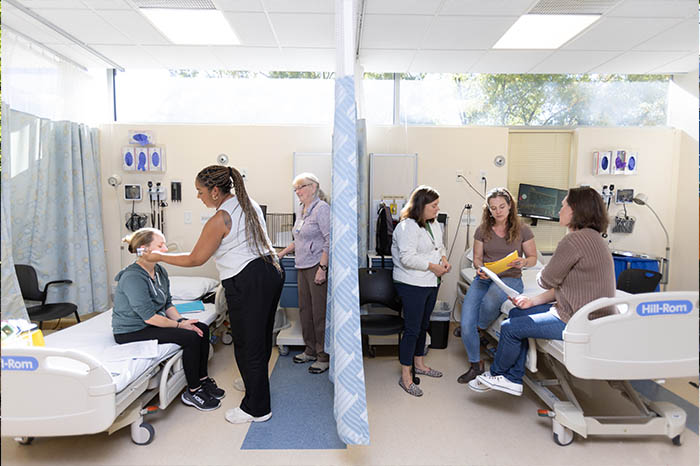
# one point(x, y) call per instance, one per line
point(412, 249)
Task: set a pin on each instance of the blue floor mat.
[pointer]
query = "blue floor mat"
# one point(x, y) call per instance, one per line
point(302, 412)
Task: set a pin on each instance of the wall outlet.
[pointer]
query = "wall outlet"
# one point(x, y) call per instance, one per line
point(188, 217)
point(482, 174)
point(458, 175)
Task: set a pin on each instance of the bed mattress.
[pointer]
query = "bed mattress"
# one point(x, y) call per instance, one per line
point(94, 337)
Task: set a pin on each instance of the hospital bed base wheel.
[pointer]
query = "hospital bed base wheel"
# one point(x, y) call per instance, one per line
point(283, 350)
point(677, 440)
point(29, 440)
point(227, 338)
point(142, 434)
point(561, 435)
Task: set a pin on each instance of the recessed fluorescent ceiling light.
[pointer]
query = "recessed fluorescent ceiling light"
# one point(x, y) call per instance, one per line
point(184, 26)
point(544, 31)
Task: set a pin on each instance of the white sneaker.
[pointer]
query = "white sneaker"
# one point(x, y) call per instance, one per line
point(238, 416)
point(477, 386)
point(500, 383)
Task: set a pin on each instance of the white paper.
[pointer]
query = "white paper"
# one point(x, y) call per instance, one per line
point(136, 350)
point(506, 289)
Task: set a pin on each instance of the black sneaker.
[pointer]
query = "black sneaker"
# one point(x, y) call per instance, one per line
point(209, 386)
point(200, 400)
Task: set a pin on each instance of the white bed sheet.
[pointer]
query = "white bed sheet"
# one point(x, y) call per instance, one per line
point(94, 336)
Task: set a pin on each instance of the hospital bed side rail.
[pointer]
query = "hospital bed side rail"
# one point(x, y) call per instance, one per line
point(50, 390)
point(654, 336)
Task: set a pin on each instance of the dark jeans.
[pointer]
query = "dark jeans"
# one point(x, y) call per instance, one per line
point(195, 349)
point(418, 304)
point(535, 322)
point(252, 297)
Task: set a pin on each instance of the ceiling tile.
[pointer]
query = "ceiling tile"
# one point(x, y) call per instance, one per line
point(184, 56)
point(638, 62)
point(682, 37)
point(656, 9)
point(86, 25)
point(107, 4)
point(248, 58)
point(300, 6)
point(135, 26)
point(572, 61)
point(509, 61)
point(30, 27)
point(386, 61)
point(467, 33)
point(486, 7)
point(252, 29)
point(81, 56)
point(689, 63)
point(128, 56)
point(58, 4)
point(619, 33)
point(304, 30)
point(238, 5)
point(394, 32)
point(298, 59)
point(444, 61)
point(402, 7)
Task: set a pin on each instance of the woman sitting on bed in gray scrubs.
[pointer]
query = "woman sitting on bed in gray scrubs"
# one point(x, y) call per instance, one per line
point(143, 310)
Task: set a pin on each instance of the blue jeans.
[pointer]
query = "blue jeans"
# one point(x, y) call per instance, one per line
point(418, 303)
point(481, 306)
point(522, 324)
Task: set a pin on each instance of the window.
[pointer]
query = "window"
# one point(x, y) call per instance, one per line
point(222, 96)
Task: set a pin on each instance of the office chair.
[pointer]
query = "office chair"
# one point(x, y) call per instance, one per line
point(29, 285)
point(377, 287)
point(638, 281)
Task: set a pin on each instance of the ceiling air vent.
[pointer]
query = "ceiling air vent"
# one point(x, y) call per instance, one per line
point(176, 4)
point(572, 7)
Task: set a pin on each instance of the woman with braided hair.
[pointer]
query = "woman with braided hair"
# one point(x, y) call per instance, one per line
point(236, 236)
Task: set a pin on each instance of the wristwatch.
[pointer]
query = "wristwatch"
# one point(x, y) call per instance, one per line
point(181, 319)
point(323, 267)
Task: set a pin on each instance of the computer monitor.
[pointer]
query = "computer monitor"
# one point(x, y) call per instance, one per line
point(540, 202)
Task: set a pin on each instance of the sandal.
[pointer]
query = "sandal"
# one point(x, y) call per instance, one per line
point(318, 367)
point(430, 372)
point(302, 358)
point(412, 389)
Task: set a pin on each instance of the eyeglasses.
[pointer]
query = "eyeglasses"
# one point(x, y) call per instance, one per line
point(297, 188)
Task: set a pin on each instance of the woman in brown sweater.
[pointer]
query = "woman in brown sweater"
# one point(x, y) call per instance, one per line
point(580, 271)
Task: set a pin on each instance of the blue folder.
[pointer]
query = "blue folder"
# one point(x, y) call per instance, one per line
point(194, 306)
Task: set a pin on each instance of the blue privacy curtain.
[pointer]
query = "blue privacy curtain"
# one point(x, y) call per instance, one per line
point(343, 340)
point(12, 302)
point(52, 189)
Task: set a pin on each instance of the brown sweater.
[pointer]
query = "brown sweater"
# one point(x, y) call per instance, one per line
point(580, 271)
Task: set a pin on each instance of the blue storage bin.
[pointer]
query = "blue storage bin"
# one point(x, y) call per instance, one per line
point(290, 295)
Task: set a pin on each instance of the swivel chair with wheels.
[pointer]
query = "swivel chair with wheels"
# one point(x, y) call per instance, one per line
point(638, 281)
point(29, 285)
point(376, 286)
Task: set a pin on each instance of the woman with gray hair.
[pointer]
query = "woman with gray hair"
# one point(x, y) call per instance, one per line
point(312, 232)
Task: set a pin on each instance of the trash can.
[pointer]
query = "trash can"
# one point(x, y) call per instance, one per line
point(439, 327)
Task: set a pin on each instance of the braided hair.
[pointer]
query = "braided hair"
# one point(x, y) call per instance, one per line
point(226, 179)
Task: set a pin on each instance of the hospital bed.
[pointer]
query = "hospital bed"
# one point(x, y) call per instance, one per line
point(653, 336)
point(68, 387)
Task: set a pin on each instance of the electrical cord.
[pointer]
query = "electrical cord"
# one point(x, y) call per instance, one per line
point(459, 224)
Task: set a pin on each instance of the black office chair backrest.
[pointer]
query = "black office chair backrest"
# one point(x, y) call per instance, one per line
point(638, 281)
point(377, 287)
point(28, 282)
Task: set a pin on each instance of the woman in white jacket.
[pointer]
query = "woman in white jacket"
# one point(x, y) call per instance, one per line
point(419, 262)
